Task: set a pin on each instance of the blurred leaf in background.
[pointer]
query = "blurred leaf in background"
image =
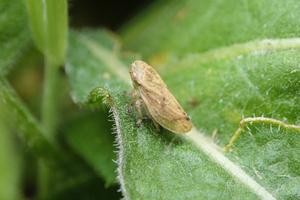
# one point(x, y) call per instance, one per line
point(89, 135)
point(9, 165)
point(13, 41)
point(14, 33)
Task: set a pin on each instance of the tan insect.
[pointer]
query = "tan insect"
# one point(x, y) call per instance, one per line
point(152, 93)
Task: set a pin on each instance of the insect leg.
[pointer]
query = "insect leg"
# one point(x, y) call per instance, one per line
point(137, 103)
point(157, 126)
point(139, 111)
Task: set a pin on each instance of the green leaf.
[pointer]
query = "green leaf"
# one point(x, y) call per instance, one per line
point(89, 135)
point(13, 33)
point(67, 172)
point(103, 66)
point(69, 178)
point(271, 154)
point(255, 84)
point(217, 88)
point(48, 20)
point(18, 118)
point(49, 26)
point(260, 83)
point(177, 27)
point(14, 37)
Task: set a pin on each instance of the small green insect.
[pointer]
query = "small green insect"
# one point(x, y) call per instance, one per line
point(152, 93)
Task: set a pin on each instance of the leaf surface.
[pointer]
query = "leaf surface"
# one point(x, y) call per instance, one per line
point(13, 33)
point(217, 88)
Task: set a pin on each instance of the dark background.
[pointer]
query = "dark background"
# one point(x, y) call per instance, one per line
point(111, 14)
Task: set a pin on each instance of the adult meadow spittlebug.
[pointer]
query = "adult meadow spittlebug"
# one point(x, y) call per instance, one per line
point(152, 93)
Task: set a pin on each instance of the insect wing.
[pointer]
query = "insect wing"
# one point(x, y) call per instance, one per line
point(162, 105)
